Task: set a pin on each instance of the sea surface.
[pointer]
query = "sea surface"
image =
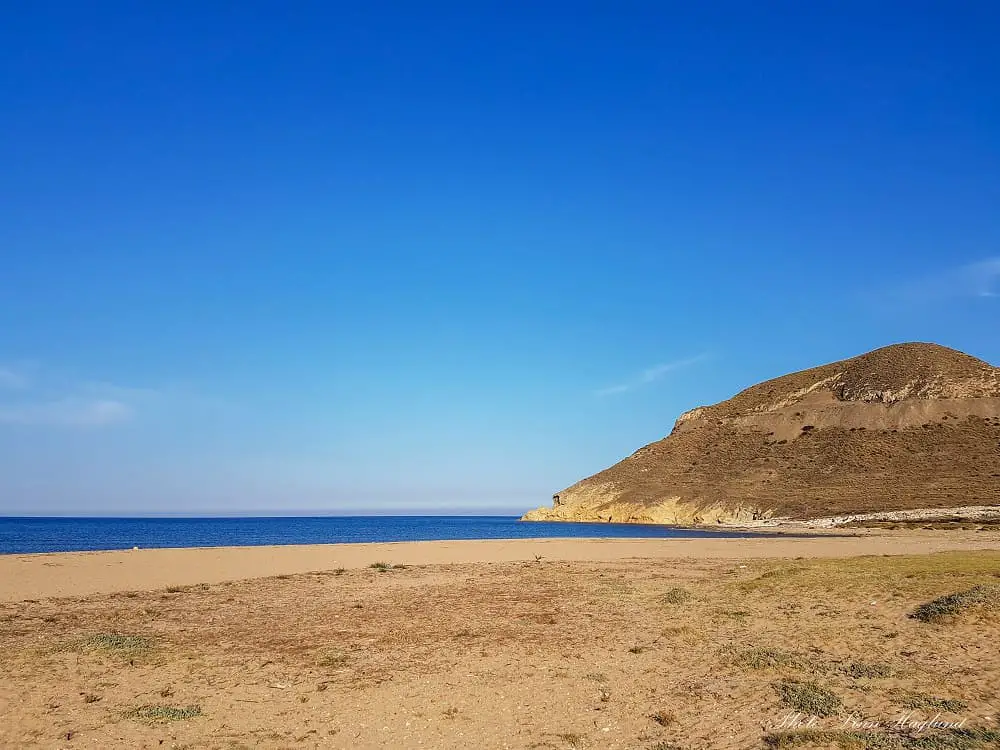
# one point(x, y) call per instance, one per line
point(23, 535)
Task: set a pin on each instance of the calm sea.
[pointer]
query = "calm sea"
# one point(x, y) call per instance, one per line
point(21, 535)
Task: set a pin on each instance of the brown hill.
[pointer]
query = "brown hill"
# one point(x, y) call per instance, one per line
point(903, 427)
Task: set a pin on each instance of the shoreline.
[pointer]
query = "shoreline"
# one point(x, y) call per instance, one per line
point(683, 532)
point(73, 574)
point(703, 532)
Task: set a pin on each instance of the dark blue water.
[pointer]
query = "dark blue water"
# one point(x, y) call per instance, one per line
point(20, 535)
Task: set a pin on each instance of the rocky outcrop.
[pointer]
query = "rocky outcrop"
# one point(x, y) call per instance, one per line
point(903, 427)
point(672, 511)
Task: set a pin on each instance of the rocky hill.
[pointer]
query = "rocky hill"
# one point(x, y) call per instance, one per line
point(908, 426)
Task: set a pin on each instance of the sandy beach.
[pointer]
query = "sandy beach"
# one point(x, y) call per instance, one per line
point(626, 643)
point(38, 576)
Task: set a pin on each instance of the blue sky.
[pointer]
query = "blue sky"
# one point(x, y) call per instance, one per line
point(321, 257)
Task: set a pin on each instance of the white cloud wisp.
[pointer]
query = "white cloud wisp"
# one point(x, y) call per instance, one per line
point(650, 375)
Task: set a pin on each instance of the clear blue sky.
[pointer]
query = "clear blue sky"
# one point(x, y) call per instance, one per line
point(332, 257)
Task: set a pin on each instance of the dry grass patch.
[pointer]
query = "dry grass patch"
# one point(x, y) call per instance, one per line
point(923, 701)
point(332, 659)
point(676, 595)
point(947, 608)
point(953, 739)
point(190, 587)
point(867, 670)
point(117, 642)
point(808, 697)
point(761, 658)
point(163, 713)
point(912, 575)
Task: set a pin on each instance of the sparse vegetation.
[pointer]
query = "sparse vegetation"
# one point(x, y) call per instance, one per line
point(163, 713)
point(118, 642)
point(779, 572)
point(916, 575)
point(945, 608)
point(761, 658)
point(181, 589)
point(808, 697)
point(332, 659)
point(869, 670)
point(922, 701)
point(952, 739)
point(676, 595)
point(286, 652)
point(663, 718)
point(381, 567)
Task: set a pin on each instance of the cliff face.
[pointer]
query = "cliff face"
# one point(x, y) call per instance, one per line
point(903, 427)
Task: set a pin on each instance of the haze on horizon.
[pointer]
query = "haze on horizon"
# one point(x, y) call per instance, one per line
point(453, 257)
